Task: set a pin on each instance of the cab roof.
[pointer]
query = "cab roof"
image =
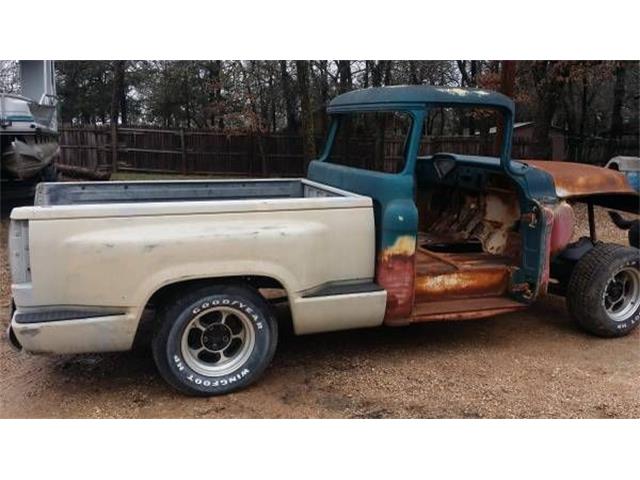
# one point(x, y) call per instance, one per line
point(404, 96)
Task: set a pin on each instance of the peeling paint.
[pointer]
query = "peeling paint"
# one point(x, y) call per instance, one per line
point(404, 245)
point(396, 274)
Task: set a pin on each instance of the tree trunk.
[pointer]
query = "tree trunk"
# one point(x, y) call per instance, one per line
point(507, 87)
point(387, 71)
point(289, 98)
point(584, 104)
point(118, 81)
point(345, 82)
point(123, 95)
point(549, 78)
point(262, 97)
point(471, 122)
point(468, 79)
point(218, 95)
point(324, 94)
point(615, 132)
point(214, 69)
point(376, 73)
point(308, 136)
point(366, 74)
point(274, 119)
point(465, 81)
point(571, 121)
point(413, 73)
point(376, 67)
point(543, 117)
point(474, 73)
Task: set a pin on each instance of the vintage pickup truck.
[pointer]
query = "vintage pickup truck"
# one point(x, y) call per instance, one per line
point(431, 237)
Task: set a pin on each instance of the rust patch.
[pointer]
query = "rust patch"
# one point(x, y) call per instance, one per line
point(548, 217)
point(576, 180)
point(463, 283)
point(468, 309)
point(472, 315)
point(513, 247)
point(396, 274)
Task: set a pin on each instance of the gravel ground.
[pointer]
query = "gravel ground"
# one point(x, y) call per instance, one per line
point(531, 364)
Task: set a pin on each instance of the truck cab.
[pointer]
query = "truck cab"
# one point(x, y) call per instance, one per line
point(465, 236)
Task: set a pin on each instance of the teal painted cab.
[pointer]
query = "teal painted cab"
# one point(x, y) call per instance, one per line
point(394, 194)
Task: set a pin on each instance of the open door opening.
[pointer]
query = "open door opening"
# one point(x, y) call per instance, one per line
point(468, 242)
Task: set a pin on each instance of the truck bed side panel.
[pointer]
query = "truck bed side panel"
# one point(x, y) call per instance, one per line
point(119, 262)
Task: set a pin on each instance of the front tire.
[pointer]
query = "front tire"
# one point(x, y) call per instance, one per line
point(215, 340)
point(603, 295)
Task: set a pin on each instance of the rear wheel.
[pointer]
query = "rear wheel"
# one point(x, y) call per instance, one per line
point(603, 295)
point(215, 340)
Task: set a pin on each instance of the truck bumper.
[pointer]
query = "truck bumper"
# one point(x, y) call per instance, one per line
point(53, 332)
point(11, 336)
point(13, 340)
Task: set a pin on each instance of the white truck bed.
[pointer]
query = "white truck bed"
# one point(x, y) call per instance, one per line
point(103, 249)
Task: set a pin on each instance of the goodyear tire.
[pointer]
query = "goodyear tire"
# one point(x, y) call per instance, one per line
point(603, 295)
point(215, 340)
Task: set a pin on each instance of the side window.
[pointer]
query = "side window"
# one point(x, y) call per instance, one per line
point(372, 141)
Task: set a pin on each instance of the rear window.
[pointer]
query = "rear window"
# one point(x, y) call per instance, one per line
point(372, 141)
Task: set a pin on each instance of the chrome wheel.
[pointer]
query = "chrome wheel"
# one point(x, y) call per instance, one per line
point(217, 341)
point(622, 294)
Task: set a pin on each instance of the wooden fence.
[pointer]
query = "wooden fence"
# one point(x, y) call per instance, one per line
point(96, 151)
point(103, 150)
point(85, 151)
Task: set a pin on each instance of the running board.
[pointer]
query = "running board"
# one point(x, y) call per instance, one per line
point(460, 309)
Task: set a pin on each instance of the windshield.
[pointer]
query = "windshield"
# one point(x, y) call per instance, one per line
point(463, 131)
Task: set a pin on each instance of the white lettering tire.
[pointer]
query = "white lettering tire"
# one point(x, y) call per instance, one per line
point(215, 340)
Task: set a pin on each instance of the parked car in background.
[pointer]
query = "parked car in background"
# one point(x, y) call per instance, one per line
point(630, 166)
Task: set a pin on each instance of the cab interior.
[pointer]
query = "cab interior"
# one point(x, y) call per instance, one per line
point(468, 241)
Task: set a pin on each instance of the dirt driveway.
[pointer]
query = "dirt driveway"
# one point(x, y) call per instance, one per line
point(531, 364)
